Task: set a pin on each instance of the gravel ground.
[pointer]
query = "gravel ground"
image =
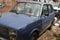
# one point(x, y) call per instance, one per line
point(48, 35)
point(51, 34)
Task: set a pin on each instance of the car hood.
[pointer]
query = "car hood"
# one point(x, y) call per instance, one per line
point(16, 21)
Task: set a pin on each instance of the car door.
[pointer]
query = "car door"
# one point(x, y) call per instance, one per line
point(51, 14)
point(45, 17)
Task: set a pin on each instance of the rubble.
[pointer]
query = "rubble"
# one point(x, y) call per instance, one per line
point(56, 30)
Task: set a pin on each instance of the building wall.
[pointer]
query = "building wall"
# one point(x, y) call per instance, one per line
point(42, 0)
point(32, 0)
point(25, 0)
point(56, 0)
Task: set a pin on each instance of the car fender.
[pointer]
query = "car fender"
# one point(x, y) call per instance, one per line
point(35, 29)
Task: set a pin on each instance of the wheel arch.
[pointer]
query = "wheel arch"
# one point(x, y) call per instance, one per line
point(34, 30)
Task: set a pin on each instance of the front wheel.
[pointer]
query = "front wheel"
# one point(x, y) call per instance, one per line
point(34, 36)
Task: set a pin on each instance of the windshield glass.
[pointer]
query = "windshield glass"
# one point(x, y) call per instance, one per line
point(31, 9)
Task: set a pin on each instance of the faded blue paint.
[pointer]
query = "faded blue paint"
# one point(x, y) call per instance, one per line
point(16, 21)
point(25, 25)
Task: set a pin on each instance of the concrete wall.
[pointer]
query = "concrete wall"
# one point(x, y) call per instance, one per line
point(57, 0)
point(25, 0)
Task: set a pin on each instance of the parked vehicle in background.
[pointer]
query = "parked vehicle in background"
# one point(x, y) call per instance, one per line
point(28, 22)
point(57, 8)
point(57, 15)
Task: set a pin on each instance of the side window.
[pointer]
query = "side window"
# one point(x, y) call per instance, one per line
point(50, 8)
point(44, 10)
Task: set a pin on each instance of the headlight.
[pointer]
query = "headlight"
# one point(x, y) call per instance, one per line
point(12, 35)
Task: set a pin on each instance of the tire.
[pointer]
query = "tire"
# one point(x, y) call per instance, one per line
point(34, 36)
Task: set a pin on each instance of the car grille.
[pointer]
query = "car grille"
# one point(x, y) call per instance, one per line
point(8, 33)
point(12, 35)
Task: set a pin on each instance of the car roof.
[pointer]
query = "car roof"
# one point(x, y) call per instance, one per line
point(34, 2)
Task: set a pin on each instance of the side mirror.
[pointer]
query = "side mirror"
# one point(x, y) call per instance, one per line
point(56, 11)
point(46, 14)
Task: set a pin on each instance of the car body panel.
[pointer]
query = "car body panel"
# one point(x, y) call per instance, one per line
point(16, 21)
point(26, 25)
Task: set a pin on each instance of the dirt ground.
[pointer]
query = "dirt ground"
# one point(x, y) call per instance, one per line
point(48, 35)
point(51, 34)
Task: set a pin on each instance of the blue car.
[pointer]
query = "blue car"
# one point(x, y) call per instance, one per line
point(28, 22)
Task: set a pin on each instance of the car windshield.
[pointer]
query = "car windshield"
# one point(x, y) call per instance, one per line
point(32, 9)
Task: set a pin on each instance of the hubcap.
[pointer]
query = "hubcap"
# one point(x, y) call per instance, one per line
point(34, 37)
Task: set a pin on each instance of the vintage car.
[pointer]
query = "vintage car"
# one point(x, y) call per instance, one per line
point(28, 22)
